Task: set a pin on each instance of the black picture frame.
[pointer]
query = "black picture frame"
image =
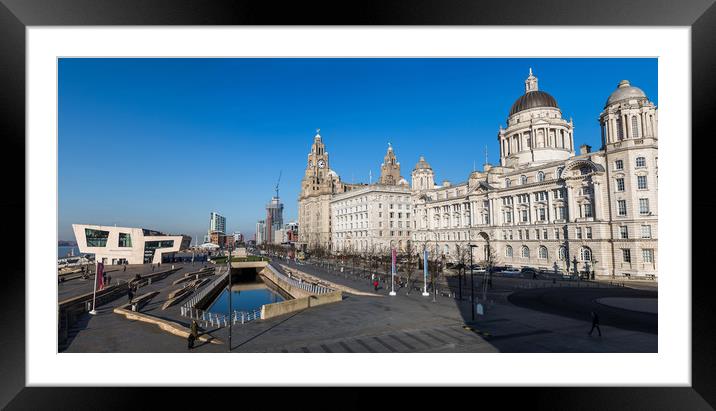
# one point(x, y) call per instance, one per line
point(16, 15)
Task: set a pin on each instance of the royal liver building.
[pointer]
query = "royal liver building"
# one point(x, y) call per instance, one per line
point(546, 205)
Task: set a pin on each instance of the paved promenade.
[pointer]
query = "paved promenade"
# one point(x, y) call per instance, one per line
point(403, 323)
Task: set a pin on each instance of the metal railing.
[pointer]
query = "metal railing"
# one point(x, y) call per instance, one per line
point(307, 286)
point(204, 291)
point(208, 319)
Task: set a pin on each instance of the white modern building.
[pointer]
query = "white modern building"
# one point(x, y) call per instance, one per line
point(119, 245)
point(217, 223)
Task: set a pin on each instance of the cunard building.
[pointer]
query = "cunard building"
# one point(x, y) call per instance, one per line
point(546, 204)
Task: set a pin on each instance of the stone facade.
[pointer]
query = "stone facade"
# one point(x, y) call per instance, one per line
point(318, 186)
point(544, 205)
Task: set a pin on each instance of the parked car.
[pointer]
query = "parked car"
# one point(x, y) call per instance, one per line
point(511, 272)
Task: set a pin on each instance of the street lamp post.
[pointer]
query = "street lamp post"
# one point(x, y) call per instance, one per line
point(231, 311)
point(425, 272)
point(392, 270)
point(472, 284)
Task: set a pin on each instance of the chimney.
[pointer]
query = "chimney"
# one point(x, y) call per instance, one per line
point(585, 149)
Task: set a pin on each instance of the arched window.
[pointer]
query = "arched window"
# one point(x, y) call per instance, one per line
point(525, 252)
point(634, 127)
point(562, 253)
point(508, 251)
point(523, 179)
point(507, 183)
point(540, 176)
point(543, 252)
point(620, 129)
point(558, 173)
point(585, 254)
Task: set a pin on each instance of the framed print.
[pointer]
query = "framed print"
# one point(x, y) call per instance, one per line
point(440, 195)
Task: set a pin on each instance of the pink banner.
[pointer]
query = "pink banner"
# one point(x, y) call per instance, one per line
point(100, 276)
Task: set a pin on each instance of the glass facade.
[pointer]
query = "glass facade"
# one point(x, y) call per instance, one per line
point(96, 238)
point(125, 240)
point(150, 246)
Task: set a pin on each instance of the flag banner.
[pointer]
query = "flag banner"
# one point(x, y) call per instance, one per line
point(100, 276)
point(425, 261)
point(393, 255)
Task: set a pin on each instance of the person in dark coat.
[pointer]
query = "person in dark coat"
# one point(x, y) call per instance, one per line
point(193, 335)
point(595, 324)
point(130, 293)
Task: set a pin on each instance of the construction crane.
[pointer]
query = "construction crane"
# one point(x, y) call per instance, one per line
point(277, 182)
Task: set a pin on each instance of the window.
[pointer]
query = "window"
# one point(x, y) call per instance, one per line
point(640, 162)
point(96, 238)
point(392, 215)
point(626, 255)
point(510, 234)
point(620, 129)
point(556, 233)
point(562, 253)
point(585, 170)
point(621, 207)
point(648, 255)
point(634, 127)
point(544, 234)
point(620, 184)
point(508, 251)
point(559, 193)
point(624, 232)
point(527, 234)
point(643, 206)
point(125, 240)
point(540, 176)
point(585, 253)
point(589, 232)
point(641, 182)
point(524, 215)
point(523, 180)
point(543, 252)
point(646, 231)
point(519, 234)
point(588, 210)
point(541, 196)
point(578, 232)
point(619, 165)
point(542, 214)
point(537, 234)
point(507, 183)
point(525, 252)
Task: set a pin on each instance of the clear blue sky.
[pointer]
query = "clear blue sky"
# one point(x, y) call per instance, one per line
point(160, 143)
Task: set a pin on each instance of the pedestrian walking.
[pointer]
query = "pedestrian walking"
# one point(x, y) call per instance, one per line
point(595, 324)
point(152, 267)
point(193, 334)
point(109, 278)
point(375, 284)
point(130, 293)
point(124, 269)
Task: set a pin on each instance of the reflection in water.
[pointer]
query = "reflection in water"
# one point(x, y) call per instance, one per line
point(244, 297)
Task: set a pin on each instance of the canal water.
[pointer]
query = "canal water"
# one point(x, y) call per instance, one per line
point(244, 297)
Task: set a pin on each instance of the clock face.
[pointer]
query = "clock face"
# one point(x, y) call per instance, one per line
point(321, 163)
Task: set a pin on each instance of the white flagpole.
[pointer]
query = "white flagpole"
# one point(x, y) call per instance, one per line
point(94, 291)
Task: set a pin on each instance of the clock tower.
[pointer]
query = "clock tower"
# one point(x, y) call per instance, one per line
point(390, 169)
point(317, 178)
point(317, 187)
